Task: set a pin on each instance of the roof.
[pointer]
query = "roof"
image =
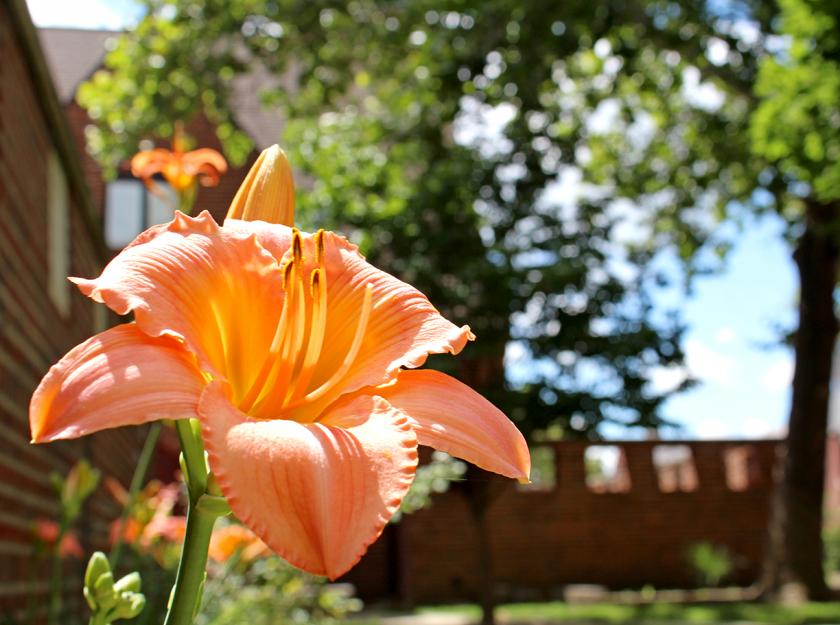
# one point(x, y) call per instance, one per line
point(73, 55)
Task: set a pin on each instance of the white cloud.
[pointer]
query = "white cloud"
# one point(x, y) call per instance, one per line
point(708, 365)
point(666, 379)
point(713, 428)
point(81, 14)
point(749, 428)
point(761, 428)
point(725, 335)
point(778, 376)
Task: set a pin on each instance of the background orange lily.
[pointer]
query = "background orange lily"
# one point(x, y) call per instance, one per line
point(182, 169)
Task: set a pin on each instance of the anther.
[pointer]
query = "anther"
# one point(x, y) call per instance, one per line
point(314, 283)
point(319, 246)
point(297, 245)
point(287, 273)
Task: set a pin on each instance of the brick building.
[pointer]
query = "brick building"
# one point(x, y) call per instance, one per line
point(49, 229)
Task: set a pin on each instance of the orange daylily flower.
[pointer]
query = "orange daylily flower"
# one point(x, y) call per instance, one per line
point(47, 532)
point(180, 168)
point(232, 539)
point(298, 358)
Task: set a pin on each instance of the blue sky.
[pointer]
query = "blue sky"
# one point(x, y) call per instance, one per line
point(732, 342)
point(732, 316)
point(110, 14)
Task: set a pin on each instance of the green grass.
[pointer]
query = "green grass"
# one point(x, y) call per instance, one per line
point(809, 613)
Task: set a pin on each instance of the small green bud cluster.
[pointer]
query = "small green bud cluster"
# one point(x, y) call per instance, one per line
point(110, 600)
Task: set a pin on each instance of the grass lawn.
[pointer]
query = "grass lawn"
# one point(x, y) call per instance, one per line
point(811, 613)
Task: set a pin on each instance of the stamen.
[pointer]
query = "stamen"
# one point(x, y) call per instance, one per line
point(298, 340)
point(284, 359)
point(268, 364)
point(351, 355)
point(302, 376)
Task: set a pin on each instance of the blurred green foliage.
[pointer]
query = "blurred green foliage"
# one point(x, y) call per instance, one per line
point(74, 489)
point(831, 539)
point(711, 564)
point(797, 124)
point(430, 478)
point(272, 591)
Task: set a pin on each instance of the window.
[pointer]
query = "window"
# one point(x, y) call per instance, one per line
point(606, 469)
point(130, 208)
point(675, 470)
point(58, 235)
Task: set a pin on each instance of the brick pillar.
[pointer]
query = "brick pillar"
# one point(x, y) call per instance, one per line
point(640, 465)
point(711, 469)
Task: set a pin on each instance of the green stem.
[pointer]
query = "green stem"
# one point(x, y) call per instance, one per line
point(136, 482)
point(56, 586)
point(97, 618)
point(191, 569)
point(186, 594)
point(189, 434)
point(186, 199)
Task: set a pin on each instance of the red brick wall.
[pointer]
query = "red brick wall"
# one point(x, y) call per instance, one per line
point(33, 335)
point(570, 534)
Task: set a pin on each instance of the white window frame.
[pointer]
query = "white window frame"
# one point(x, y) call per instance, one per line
point(58, 235)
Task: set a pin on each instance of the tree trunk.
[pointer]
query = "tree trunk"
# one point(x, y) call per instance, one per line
point(794, 564)
point(482, 489)
point(484, 372)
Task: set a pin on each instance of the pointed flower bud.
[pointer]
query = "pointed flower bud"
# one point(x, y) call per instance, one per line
point(97, 566)
point(130, 606)
point(129, 583)
point(268, 191)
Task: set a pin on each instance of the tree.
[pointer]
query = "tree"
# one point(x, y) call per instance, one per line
point(796, 128)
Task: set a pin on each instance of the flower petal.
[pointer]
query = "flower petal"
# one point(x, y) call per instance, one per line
point(147, 163)
point(206, 163)
point(205, 156)
point(118, 377)
point(450, 416)
point(317, 494)
point(217, 289)
point(276, 238)
point(403, 329)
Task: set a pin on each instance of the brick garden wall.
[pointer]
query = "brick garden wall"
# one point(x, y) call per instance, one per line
point(33, 335)
point(580, 533)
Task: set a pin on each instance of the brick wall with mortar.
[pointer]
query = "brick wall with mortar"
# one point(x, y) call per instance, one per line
point(34, 333)
point(573, 533)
